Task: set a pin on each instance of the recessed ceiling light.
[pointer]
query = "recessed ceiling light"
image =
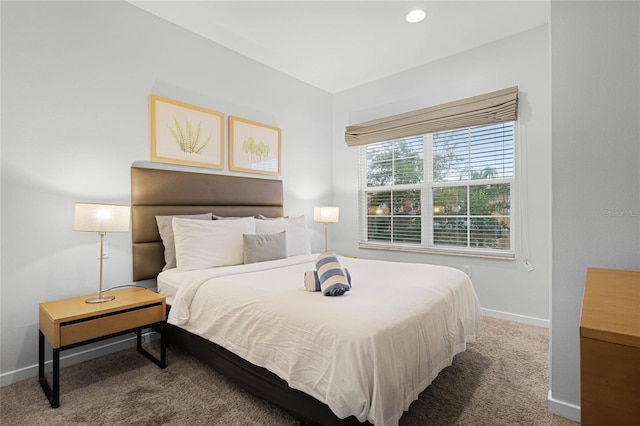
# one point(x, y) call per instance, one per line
point(416, 16)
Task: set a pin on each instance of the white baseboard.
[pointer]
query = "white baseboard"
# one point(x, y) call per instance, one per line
point(563, 409)
point(515, 317)
point(74, 358)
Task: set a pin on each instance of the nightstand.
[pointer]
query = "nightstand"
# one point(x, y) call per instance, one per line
point(69, 323)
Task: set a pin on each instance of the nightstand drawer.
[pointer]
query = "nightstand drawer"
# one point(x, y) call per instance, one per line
point(83, 330)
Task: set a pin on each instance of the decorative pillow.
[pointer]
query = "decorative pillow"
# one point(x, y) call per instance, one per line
point(298, 241)
point(333, 279)
point(208, 244)
point(263, 247)
point(166, 233)
point(312, 280)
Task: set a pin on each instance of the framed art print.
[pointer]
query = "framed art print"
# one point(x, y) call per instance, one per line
point(185, 134)
point(254, 147)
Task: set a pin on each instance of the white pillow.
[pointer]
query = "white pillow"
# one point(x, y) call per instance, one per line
point(216, 217)
point(298, 241)
point(261, 216)
point(208, 244)
point(165, 229)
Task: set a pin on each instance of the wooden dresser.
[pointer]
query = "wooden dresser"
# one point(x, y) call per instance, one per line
point(610, 348)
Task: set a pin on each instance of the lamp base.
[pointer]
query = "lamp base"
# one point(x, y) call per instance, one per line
point(100, 299)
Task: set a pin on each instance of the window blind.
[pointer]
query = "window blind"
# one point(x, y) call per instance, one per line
point(484, 152)
point(448, 191)
point(489, 108)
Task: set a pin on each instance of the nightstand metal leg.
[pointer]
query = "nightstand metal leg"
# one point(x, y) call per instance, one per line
point(51, 392)
point(56, 378)
point(162, 362)
point(163, 344)
point(40, 355)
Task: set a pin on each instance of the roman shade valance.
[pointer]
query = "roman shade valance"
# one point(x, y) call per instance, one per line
point(494, 107)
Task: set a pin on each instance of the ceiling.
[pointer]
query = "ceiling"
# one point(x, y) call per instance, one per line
point(337, 45)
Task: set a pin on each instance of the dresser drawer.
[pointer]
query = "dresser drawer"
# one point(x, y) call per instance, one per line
point(83, 330)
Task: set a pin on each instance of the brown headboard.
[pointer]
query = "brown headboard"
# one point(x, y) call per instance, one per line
point(158, 192)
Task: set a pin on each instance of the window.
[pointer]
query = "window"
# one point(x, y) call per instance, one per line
point(446, 191)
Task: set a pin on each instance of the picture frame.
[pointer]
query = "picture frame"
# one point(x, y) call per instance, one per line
point(180, 133)
point(254, 147)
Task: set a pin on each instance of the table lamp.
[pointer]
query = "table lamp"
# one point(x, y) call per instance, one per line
point(101, 218)
point(326, 215)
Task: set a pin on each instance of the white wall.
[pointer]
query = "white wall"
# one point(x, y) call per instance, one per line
point(595, 79)
point(504, 287)
point(75, 81)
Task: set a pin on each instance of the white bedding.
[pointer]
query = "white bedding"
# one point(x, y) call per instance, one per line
point(368, 353)
point(169, 282)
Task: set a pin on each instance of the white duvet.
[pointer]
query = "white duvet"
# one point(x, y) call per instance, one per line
point(368, 353)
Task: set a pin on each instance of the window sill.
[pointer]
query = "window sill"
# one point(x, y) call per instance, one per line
point(487, 254)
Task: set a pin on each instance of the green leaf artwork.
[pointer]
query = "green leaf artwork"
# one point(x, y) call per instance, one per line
point(256, 152)
point(186, 138)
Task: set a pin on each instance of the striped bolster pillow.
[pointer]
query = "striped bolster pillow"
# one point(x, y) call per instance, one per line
point(312, 281)
point(333, 279)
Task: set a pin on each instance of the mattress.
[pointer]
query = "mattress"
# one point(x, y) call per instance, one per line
point(367, 353)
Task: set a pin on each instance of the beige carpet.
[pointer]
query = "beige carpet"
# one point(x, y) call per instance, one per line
point(502, 379)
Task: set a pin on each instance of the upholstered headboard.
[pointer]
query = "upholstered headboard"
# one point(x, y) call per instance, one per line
point(159, 192)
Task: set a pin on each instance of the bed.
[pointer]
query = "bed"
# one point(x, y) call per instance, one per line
point(362, 357)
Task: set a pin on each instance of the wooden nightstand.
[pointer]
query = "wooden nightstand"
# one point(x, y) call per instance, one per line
point(73, 322)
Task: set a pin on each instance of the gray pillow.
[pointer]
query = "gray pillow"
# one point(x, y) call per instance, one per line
point(166, 233)
point(263, 247)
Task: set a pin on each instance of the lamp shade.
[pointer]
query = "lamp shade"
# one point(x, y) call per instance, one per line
point(326, 214)
point(101, 217)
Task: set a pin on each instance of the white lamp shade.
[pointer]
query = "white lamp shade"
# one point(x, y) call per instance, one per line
point(326, 214)
point(101, 217)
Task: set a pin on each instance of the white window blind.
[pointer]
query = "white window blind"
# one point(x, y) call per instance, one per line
point(446, 191)
point(393, 178)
